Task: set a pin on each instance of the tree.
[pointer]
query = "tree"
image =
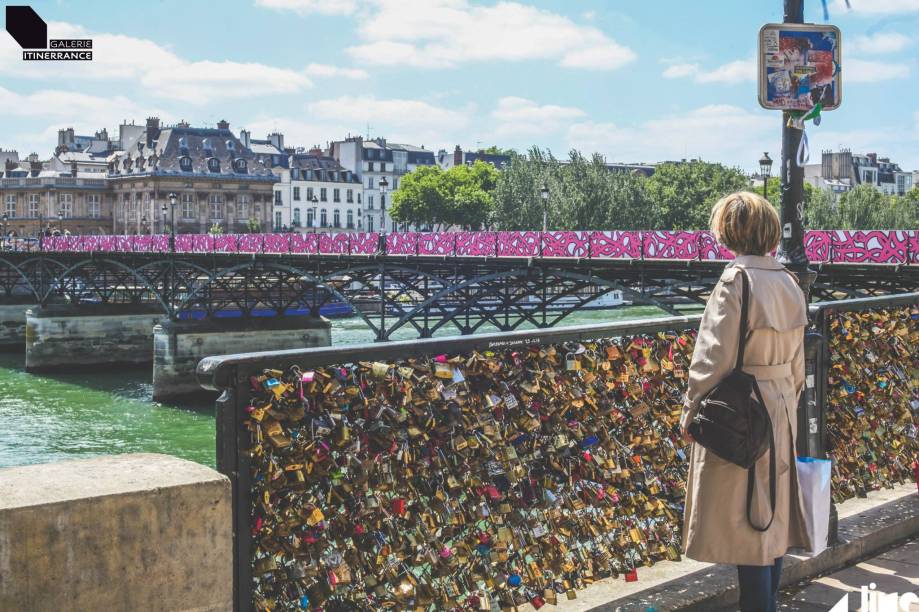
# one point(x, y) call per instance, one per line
point(683, 193)
point(215, 230)
point(495, 150)
point(861, 208)
point(460, 196)
point(253, 225)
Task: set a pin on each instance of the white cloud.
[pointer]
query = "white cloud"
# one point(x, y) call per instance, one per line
point(877, 7)
point(882, 42)
point(443, 33)
point(327, 70)
point(864, 71)
point(521, 117)
point(306, 7)
point(719, 132)
point(733, 72)
point(163, 73)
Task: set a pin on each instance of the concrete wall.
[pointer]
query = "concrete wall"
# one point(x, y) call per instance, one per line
point(128, 532)
point(178, 346)
point(13, 326)
point(70, 337)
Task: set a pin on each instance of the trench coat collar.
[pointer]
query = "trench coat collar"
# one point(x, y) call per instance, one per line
point(763, 262)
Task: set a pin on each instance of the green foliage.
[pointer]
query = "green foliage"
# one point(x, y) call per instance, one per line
point(215, 230)
point(862, 208)
point(495, 150)
point(683, 193)
point(460, 196)
point(253, 225)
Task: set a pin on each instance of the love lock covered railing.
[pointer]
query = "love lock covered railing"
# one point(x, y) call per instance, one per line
point(493, 470)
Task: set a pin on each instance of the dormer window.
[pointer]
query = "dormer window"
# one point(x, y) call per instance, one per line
point(206, 145)
point(213, 164)
point(295, 173)
point(231, 146)
point(185, 163)
point(239, 164)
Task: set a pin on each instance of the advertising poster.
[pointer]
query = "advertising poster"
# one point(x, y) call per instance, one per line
point(799, 66)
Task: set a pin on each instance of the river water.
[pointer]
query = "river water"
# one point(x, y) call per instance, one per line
point(62, 416)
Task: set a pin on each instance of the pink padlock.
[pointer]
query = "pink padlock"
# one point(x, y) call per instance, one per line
point(441, 359)
point(445, 553)
point(308, 376)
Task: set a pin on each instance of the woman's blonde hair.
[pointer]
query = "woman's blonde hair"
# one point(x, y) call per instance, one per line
point(746, 223)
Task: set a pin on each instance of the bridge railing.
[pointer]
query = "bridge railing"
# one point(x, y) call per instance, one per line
point(511, 465)
point(834, 246)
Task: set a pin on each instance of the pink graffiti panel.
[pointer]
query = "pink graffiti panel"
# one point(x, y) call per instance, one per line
point(475, 244)
point(436, 243)
point(818, 245)
point(869, 246)
point(276, 243)
point(615, 244)
point(333, 244)
point(518, 244)
point(914, 246)
point(250, 243)
point(710, 250)
point(365, 243)
point(226, 243)
point(671, 245)
point(566, 244)
point(402, 243)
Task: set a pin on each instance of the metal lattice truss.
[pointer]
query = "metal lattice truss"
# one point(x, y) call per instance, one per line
point(425, 294)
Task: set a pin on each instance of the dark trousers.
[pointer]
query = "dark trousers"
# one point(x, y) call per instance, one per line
point(759, 585)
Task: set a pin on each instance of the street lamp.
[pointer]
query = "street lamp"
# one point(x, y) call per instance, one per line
point(544, 194)
point(5, 219)
point(765, 168)
point(314, 224)
point(384, 185)
point(172, 222)
point(143, 224)
point(60, 221)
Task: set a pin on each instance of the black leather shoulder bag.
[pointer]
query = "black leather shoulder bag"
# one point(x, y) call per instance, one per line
point(732, 421)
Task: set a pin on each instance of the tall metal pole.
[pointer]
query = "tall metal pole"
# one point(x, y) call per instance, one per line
point(791, 249)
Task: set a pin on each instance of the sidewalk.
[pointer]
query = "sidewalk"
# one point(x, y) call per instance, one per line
point(895, 570)
point(866, 526)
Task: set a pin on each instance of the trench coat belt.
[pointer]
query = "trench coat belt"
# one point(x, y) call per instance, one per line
point(769, 372)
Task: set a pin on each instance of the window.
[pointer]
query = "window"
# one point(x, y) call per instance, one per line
point(358, 198)
point(65, 200)
point(93, 208)
point(369, 224)
point(323, 220)
point(322, 195)
point(309, 217)
point(33, 204)
point(213, 164)
point(382, 166)
point(350, 219)
point(189, 210)
point(336, 195)
point(277, 198)
point(296, 220)
point(349, 196)
point(370, 202)
point(242, 207)
point(336, 218)
point(369, 182)
point(277, 221)
point(185, 163)
point(216, 201)
point(370, 166)
point(297, 193)
point(309, 194)
point(11, 205)
point(239, 165)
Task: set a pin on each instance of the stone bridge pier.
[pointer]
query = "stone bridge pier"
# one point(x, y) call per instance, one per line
point(66, 337)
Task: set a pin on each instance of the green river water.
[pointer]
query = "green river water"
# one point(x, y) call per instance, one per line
point(64, 416)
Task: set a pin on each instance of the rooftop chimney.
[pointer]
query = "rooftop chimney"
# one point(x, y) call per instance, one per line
point(873, 158)
point(34, 167)
point(277, 140)
point(153, 130)
point(457, 156)
point(245, 137)
point(223, 124)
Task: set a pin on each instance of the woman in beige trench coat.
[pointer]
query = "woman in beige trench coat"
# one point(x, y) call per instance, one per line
point(715, 526)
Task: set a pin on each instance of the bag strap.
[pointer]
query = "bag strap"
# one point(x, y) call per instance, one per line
point(744, 302)
point(751, 473)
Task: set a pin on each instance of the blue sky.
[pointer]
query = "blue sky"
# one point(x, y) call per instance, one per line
point(635, 81)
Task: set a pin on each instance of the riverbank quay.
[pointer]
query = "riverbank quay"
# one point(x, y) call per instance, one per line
point(124, 532)
point(866, 526)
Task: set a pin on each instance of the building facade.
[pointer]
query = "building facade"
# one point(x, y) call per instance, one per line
point(217, 181)
point(372, 161)
point(36, 197)
point(840, 171)
point(315, 192)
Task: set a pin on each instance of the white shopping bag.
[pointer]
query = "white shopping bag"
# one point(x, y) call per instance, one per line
point(814, 480)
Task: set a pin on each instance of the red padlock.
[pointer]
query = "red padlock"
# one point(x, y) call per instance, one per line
point(398, 506)
point(916, 473)
point(537, 602)
point(631, 575)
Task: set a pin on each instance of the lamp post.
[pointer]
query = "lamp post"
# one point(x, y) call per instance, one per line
point(143, 224)
point(315, 210)
point(765, 169)
point(544, 194)
point(384, 185)
point(60, 221)
point(5, 219)
point(172, 222)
